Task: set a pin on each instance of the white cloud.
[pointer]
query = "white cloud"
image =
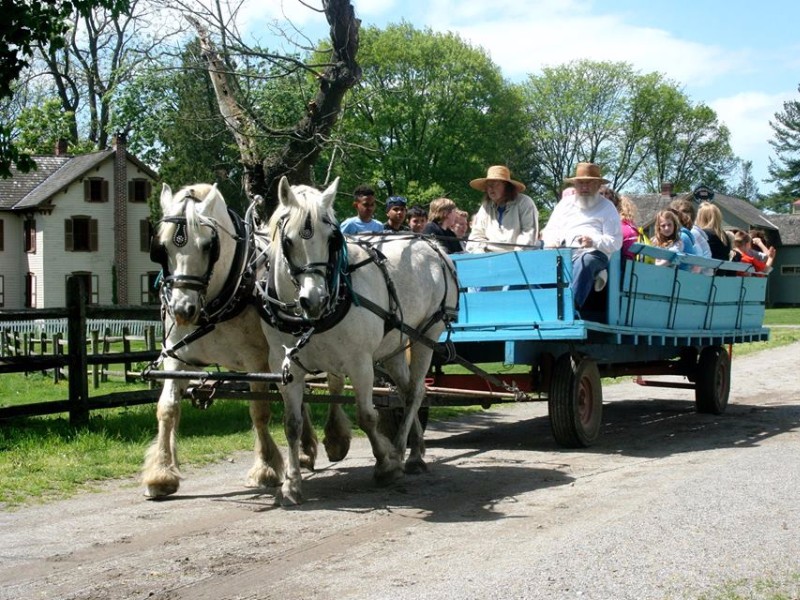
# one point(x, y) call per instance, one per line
point(747, 115)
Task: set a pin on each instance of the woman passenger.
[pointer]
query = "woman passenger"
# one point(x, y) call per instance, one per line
point(507, 219)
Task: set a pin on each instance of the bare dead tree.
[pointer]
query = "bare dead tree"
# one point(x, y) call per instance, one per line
point(303, 142)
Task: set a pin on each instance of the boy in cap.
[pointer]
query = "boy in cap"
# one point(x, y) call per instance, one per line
point(395, 214)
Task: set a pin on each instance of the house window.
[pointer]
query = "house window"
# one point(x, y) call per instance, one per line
point(139, 190)
point(91, 284)
point(2, 236)
point(2, 291)
point(80, 234)
point(790, 270)
point(30, 236)
point(30, 290)
point(95, 189)
point(145, 235)
point(149, 288)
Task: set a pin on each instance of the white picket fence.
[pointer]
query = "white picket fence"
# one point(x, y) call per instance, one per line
point(51, 327)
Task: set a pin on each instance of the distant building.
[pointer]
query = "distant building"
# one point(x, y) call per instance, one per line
point(77, 215)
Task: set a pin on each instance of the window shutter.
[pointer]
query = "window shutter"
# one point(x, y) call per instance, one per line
point(87, 190)
point(148, 189)
point(69, 243)
point(2, 236)
point(92, 235)
point(104, 190)
point(131, 191)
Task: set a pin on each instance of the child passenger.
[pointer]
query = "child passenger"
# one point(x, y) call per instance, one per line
point(364, 203)
point(743, 246)
point(667, 234)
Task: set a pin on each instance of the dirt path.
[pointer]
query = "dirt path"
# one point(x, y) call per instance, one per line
point(670, 504)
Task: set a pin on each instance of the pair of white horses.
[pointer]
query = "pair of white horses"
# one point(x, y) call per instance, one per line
point(311, 270)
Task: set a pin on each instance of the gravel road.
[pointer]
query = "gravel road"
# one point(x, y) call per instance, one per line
point(669, 504)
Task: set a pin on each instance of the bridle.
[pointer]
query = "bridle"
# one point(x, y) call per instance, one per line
point(331, 270)
point(227, 303)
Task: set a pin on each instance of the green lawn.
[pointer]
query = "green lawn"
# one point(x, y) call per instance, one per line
point(782, 316)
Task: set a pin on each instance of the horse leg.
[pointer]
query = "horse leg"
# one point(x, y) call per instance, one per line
point(161, 473)
point(291, 490)
point(308, 440)
point(267, 469)
point(409, 377)
point(388, 465)
point(337, 427)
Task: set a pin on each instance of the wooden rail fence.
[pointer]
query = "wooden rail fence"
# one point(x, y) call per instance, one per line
point(76, 355)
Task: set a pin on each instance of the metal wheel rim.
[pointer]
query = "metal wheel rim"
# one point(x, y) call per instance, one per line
point(585, 401)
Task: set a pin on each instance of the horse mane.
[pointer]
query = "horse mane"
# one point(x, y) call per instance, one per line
point(295, 219)
point(185, 201)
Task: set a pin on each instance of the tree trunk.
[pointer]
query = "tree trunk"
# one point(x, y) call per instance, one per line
point(297, 157)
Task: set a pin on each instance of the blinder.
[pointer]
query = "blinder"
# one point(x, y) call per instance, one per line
point(158, 252)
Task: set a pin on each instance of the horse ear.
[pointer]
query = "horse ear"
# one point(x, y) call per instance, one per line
point(329, 195)
point(285, 193)
point(205, 207)
point(166, 198)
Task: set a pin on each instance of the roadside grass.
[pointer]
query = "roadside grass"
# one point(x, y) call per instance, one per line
point(45, 458)
point(780, 587)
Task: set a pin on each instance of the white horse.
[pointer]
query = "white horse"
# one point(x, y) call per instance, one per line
point(209, 318)
point(313, 276)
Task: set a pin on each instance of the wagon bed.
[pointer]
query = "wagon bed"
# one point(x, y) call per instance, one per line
point(516, 308)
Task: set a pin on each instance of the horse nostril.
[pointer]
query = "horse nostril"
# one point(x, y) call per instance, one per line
point(304, 304)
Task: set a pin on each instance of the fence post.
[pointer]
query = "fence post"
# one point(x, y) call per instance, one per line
point(57, 352)
point(43, 348)
point(106, 350)
point(95, 367)
point(126, 348)
point(76, 344)
point(150, 340)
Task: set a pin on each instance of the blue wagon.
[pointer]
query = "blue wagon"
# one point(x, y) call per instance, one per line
point(517, 308)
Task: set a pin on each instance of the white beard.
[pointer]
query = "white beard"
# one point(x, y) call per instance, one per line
point(587, 202)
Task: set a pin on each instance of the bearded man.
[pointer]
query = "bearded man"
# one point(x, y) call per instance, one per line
point(588, 223)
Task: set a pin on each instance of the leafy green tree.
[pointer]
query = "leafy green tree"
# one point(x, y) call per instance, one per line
point(41, 127)
point(784, 169)
point(429, 114)
point(746, 186)
point(26, 26)
point(641, 129)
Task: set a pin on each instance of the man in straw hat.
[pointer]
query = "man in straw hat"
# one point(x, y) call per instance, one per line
point(507, 219)
point(589, 223)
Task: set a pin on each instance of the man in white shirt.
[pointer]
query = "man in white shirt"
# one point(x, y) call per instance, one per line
point(588, 223)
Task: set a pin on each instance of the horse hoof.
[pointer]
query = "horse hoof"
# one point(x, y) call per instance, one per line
point(154, 492)
point(415, 467)
point(289, 495)
point(261, 477)
point(336, 449)
point(385, 478)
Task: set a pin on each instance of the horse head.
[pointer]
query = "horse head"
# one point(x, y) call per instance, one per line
point(193, 255)
point(305, 233)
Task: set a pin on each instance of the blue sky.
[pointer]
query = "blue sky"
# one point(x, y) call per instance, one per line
point(741, 58)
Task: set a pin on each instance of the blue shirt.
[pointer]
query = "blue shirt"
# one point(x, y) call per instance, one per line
point(355, 225)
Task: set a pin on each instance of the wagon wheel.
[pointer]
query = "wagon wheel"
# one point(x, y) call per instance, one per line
point(575, 402)
point(713, 380)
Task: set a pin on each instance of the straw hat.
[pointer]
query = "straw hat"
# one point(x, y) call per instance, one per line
point(586, 172)
point(496, 173)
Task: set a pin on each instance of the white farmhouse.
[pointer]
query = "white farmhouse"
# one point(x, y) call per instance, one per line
point(77, 215)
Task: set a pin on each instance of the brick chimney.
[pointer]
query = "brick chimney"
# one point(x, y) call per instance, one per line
point(666, 190)
point(121, 216)
point(61, 147)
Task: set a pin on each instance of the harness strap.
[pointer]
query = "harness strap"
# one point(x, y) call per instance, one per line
point(418, 337)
